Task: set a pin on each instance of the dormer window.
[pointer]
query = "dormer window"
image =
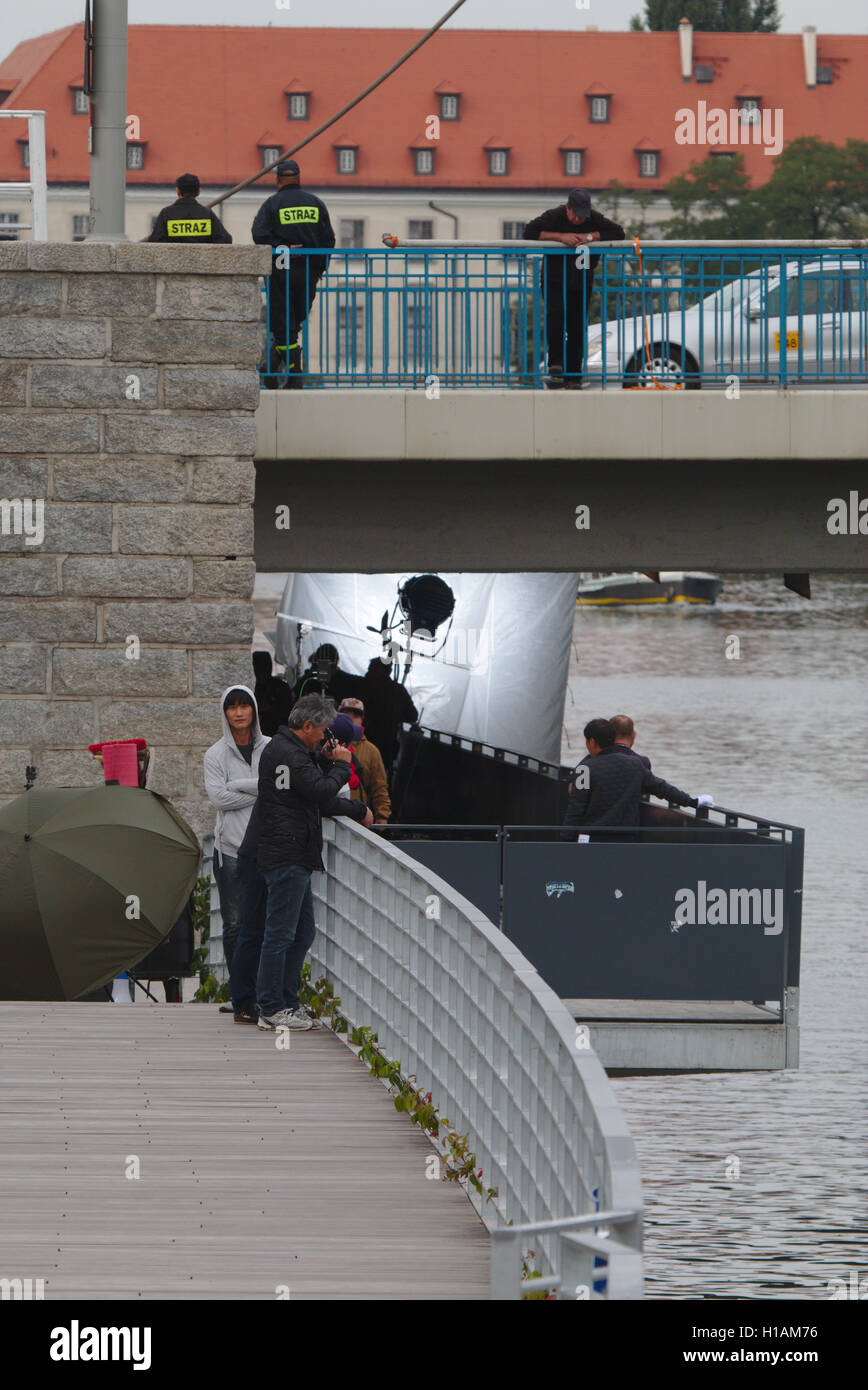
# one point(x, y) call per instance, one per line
point(749, 110)
point(824, 75)
point(298, 103)
point(269, 154)
point(573, 162)
point(24, 146)
point(703, 72)
point(423, 161)
point(449, 106)
point(347, 158)
point(135, 154)
point(598, 111)
point(649, 163)
point(498, 162)
point(80, 101)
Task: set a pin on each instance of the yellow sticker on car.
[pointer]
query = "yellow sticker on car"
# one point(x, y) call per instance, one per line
point(202, 227)
point(792, 341)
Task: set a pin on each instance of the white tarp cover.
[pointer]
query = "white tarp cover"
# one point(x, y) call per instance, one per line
point(502, 675)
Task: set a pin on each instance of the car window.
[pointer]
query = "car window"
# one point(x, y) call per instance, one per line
point(856, 292)
point(814, 294)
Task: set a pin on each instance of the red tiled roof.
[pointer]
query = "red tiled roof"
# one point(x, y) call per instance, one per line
point(202, 94)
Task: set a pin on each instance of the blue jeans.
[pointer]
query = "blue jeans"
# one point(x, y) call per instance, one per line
point(245, 962)
point(289, 933)
point(226, 878)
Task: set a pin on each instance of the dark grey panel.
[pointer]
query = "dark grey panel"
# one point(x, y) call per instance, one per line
point(599, 920)
point(472, 868)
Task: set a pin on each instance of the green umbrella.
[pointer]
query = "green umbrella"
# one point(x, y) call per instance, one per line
point(91, 880)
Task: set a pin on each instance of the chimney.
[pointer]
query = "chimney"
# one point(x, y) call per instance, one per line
point(685, 48)
point(809, 53)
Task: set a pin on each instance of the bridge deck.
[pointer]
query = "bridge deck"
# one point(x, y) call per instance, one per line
point(259, 1167)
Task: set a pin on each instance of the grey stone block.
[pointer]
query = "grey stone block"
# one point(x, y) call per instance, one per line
point(187, 622)
point(23, 477)
point(108, 671)
point(13, 382)
point(23, 669)
point(190, 530)
point(214, 671)
point(162, 259)
point(125, 577)
point(24, 337)
point(71, 620)
point(210, 388)
point(64, 384)
point(222, 480)
point(30, 294)
point(184, 721)
point(165, 433)
point(238, 344)
point(120, 480)
point(210, 297)
point(70, 256)
point(31, 575)
point(64, 431)
point(74, 768)
point(127, 296)
point(168, 773)
point(199, 815)
point(13, 761)
point(224, 579)
point(13, 255)
point(83, 529)
point(56, 723)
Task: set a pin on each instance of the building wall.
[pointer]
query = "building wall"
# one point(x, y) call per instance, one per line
point(128, 387)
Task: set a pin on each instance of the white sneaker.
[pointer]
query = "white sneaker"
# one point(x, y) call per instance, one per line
point(285, 1018)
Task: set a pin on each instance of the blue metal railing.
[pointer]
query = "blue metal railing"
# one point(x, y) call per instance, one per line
point(666, 315)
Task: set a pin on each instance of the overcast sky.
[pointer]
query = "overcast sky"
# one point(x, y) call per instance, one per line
point(23, 21)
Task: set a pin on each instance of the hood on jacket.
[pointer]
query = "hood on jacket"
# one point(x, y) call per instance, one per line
point(259, 738)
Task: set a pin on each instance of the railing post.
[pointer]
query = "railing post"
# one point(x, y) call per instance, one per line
point(505, 1276)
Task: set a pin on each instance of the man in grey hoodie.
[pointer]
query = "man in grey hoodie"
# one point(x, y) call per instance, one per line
point(231, 782)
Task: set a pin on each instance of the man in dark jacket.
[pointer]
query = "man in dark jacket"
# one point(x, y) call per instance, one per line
point(609, 788)
point(291, 219)
point(625, 737)
point(387, 706)
point(188, 220)
point(273, 695)
point(567, 289)
point(298, 785)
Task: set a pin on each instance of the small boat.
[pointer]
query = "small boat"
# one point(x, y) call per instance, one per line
point(664, 586)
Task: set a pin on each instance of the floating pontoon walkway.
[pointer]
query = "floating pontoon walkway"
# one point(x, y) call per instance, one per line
point(262, 1172)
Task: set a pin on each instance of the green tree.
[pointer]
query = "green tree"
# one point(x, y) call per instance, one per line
point(722, 16)
point(713, 199)
point(817, 189)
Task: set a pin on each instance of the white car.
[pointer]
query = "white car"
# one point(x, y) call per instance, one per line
point(737, 330)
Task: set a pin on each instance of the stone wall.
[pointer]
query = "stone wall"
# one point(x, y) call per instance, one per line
point(128, 387)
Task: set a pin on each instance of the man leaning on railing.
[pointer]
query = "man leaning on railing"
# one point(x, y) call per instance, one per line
point(567, 289)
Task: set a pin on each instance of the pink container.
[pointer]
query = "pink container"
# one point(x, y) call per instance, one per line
point(120, 763)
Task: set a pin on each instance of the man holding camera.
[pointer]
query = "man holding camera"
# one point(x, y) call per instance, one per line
point(301, 773)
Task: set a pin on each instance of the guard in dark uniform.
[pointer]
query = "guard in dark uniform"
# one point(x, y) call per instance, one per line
point(291, 218)
point(187, 220)
point(567, 289)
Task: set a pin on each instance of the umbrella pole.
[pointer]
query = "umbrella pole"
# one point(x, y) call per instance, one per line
point(134, 980)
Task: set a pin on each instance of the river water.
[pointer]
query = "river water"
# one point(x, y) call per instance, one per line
point(781, 731)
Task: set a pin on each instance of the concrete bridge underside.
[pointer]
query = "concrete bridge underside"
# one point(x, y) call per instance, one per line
point(492, 480)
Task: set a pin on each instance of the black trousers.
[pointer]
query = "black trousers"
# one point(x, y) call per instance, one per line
point(566, 316)
point(290, 295)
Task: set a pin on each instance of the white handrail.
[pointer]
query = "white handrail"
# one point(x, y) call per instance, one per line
point(37, 186)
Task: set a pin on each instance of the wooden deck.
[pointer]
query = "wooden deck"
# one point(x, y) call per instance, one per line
point(260, 1167)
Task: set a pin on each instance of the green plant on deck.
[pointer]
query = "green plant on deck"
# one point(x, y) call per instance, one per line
point(210, 990)
point(460, 1164)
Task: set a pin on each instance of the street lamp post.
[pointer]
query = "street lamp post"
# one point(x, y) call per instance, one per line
point(108, 120)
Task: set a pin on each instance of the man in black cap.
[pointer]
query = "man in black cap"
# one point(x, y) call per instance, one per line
point(291, 219)
point(567, 289)
point(187, 219)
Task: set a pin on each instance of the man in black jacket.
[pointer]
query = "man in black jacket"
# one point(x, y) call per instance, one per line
point(188, 220)
point(608, 790)
point(291, 219)
point(567, 289)
point(297, 786)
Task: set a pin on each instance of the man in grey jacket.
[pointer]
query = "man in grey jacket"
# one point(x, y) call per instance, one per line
point(231, 782)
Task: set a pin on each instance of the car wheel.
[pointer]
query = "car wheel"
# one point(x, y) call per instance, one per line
point(666, 366)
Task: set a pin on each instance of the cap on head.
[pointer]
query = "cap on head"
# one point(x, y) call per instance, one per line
point(287, 168)
point(351, 706)
point(344, 730)
point(188, 184)
point(579, 201)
